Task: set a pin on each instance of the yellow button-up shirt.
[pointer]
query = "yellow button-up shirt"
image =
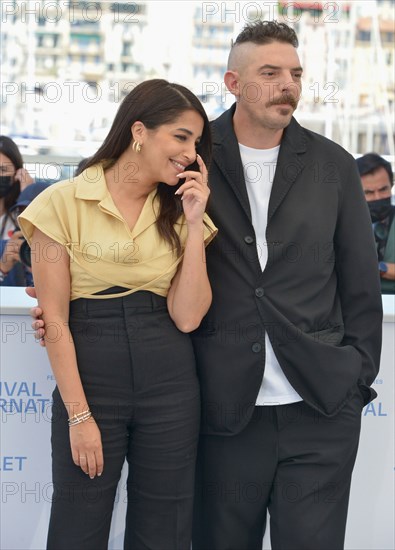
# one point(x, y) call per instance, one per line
point(80, 214)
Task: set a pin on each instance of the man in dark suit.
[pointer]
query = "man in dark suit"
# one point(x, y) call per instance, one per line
point(291, 344)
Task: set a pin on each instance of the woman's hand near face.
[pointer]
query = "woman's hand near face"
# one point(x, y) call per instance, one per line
point(189, 296)
point(194, 192)
point(24, 178)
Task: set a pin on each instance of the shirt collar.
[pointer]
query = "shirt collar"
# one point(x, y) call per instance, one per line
point(91, 184)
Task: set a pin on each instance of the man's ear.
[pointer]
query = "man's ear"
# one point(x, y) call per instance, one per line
point(231, 79)
point(138, 131)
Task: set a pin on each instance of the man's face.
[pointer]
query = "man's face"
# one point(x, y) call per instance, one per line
point(269, 83)
point(377, 185)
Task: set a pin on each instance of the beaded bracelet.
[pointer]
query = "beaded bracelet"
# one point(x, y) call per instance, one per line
point(80, 417)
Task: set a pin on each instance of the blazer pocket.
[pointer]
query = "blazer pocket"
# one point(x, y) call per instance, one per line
point(367, 393)
point(332, 335)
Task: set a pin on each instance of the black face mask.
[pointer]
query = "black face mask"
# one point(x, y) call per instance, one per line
point(379, 209)
point(5, 185)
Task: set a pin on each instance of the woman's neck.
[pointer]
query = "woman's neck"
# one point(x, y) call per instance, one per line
point(125, 179)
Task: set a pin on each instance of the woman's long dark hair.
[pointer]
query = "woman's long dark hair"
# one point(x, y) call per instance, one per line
point(154, 102)
point(10, 149)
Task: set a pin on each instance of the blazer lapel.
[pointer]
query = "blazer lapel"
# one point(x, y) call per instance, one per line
point(227, 157)
point(289, 165)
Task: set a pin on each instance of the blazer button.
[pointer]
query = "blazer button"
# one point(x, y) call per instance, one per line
point(256, 348)
point(259, 292)
point(248, 239)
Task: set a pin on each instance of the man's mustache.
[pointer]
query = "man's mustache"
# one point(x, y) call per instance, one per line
point(283, 100)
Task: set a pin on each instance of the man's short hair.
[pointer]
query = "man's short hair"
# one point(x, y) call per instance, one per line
point(369, 163)
point(265, 32)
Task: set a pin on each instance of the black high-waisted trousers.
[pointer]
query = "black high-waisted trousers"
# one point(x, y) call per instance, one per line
point(138, 373)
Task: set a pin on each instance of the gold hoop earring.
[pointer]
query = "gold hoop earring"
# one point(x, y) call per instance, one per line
point(136, 147)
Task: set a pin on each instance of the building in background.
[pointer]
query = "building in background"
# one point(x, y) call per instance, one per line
point(66, 65)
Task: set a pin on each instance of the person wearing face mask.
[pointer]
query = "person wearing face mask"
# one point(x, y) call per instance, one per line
point(377, 181)
point(13, 179)
point(15, 253)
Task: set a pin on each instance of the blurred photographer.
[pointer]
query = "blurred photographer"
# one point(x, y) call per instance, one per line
point(14, 178)
point(377, 181)
point(15, 261)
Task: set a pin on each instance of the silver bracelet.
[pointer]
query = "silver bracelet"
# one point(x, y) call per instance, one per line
point(79, 417)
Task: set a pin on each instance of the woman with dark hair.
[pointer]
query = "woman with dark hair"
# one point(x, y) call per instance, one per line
point(13, 179)
point(121, 277)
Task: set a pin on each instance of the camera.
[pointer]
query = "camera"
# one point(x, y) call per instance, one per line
point(25, 253)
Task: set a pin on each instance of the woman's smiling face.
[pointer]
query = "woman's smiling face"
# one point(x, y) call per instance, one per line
point(168, 150)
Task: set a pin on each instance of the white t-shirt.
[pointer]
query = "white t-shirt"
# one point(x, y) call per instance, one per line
point(259, 168)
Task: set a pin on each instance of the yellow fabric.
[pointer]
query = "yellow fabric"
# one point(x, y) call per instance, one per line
point(80, 215)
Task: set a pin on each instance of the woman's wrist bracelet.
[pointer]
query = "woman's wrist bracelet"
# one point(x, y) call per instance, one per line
point(80, 417)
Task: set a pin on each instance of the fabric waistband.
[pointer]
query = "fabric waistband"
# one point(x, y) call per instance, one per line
point(139, 299)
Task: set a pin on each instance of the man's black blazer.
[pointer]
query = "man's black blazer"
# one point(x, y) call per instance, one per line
point(318, 297)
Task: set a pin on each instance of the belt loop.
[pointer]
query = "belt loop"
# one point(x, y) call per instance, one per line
point(154, 301)
point(158, 302)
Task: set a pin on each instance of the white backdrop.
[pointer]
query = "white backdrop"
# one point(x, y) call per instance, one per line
point(26, 384)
